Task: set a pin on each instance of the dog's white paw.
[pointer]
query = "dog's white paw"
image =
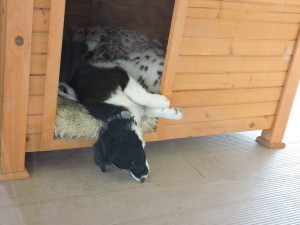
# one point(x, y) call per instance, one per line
point(175, 114)
point(168, 113)
point(158, 101)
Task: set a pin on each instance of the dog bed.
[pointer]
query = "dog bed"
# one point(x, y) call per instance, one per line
point(74, 121)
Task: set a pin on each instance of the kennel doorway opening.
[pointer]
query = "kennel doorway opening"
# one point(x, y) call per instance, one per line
point(149, 18)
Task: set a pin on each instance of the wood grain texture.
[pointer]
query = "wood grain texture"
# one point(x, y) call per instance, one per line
point(236, 47)
point(38, 64)
point(2, 59)
point(176, 32)
point(225, 97)
point(217, 127)
point(33, 143)
point(18, 22)
point(49, 104)
point(275, 135)
point(39, 42)
point(221, 64)
point(227, 112)
point(34, 124)
point(212, 28)
point(41, 19)
point(198, 81)
point(42, 3)
point(35, 105)
point(245, 5)
point(258, 16)
point(36, 85)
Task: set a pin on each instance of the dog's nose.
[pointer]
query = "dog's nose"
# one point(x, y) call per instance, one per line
point(142, 180)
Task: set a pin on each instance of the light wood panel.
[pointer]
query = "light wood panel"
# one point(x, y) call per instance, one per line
point(34, 124)
point(42, 3)
point(18, 24)
point(35, 105)
point(198, 81)
point(239, 29)
point(38, 64)
point(2, 60)
point(217, 127)
point(39, 42)
point(40, 19)
point(245, 5)
point(273, 138)
point(261, 16)
point(228, 112)
point(33, 143)
point(52, 70)
point(237, 47)
point(172, 53)
point(225, 97)
point(37, 85)
point(219, 64)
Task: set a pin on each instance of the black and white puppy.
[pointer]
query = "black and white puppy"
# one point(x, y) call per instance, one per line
point(117, 99)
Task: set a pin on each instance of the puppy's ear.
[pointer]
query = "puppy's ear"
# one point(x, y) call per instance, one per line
point(100, 155)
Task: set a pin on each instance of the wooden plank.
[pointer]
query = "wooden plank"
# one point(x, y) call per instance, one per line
point(244, 5)
point(42, 3)
point(18, 22)
point(273, 138)
point(38, 64)
point(196, 81)
point(217, 127)
point(260, 16)
point(35, 105)
point(228, 112)
point(40, 19)
point(2, 60)
point(237, 47)
point(34, 124)
point(172, 54)
point(36, 85)
point(52, 70)
point(39, 42)
point(213, 28)
point(221, 64)
point(225, 97)
point(33, 143)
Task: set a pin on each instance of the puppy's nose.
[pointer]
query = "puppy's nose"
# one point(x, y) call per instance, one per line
point(142, 180)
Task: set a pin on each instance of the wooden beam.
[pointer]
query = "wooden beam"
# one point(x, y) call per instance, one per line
point(272, 138)
point(16, 46)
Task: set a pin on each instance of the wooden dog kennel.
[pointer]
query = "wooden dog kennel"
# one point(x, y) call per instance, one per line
point(231, 65)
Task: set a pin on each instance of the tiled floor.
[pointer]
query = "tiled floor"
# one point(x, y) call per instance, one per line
point(223, 179)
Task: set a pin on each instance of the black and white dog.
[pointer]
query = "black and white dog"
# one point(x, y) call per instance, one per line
point(112, 96)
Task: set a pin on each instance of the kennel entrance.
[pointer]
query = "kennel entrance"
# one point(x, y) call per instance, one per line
point(229, 65)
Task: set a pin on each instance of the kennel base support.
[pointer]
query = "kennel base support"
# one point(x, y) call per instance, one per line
point(14, 176)
point(270, 145)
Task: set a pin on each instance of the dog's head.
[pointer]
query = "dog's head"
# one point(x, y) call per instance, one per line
point(119, 145)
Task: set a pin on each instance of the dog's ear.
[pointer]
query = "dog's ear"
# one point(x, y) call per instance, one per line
point(100, 155)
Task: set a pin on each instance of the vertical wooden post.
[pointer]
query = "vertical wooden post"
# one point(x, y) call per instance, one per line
point(273, 138)
point(177, 25)
point(56, 26)
point(16, 31)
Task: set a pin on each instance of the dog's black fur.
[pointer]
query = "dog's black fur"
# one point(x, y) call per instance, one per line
point(118, 144)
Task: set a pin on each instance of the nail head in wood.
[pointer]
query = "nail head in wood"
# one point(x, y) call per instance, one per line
point(19, 40)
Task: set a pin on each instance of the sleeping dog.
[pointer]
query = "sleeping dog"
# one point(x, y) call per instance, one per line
point(112, 96)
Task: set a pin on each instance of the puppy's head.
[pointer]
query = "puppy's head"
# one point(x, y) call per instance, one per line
point(120, 146)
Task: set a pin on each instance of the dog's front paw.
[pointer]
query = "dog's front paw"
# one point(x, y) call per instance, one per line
point(159, 101)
